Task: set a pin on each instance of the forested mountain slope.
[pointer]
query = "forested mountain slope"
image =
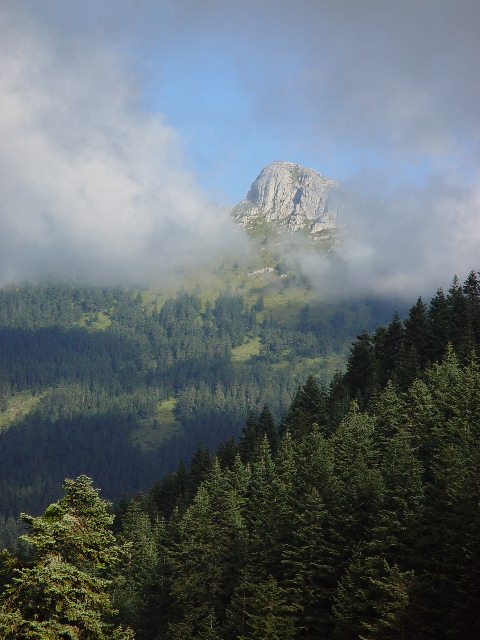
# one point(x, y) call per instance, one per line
point(355, 516)
point(121, 384)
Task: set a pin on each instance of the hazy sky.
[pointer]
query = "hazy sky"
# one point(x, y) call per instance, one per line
point(121, 119)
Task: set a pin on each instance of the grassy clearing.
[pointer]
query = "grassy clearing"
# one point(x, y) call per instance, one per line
point(284, 303)
point(322, 367)
point(153, 432)
point(243, 353)
point(96, 321)
point(20, 405)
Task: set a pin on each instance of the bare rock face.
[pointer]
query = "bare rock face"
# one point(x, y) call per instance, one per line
point(288, 197)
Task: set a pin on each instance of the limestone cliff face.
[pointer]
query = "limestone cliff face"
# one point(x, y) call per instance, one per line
point(288, 197)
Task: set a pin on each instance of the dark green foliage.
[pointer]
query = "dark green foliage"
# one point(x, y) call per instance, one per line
point(139, 567)
point(362, 370)
point(208, 556)
point(439, 326)
point(86, 369)
point(268, 613)
point(256, 428)
point(360, 522)
point(308, 408)
point(64, 592)
point(416, 332)
point(389, 346)
point(371, 601)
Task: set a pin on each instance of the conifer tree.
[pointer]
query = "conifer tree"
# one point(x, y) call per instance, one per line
point(208, 556)
point(416, 331)
point(308, 557)
point(361, 487)
point(250, 440)
point(261, 516)
point(371, 601)
point(389, 349)
point(200, 463)
point(453, 499)
point(140, 566)
point(64, 593)
point(268, 613)
point(388, 411)
point(209, 628)
point(338, 401)
point(460, 329)
point(283, 488)
point(471, 289)
point(266, 426)
point(362, 370)
point(157, 609)
point(308, 407)
point(438, 326)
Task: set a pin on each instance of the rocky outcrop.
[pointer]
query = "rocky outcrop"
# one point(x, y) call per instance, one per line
point(287, 196)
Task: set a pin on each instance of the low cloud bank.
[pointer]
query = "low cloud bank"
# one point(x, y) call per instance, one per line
point(401, 243)
point(91, 187)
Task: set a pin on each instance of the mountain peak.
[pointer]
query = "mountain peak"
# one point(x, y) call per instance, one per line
point(288, 197)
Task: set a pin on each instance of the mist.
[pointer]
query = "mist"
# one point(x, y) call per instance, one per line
point(122, 120)
point(92, 186)
point(399, 244)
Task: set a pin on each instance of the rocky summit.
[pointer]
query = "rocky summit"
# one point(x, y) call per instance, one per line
point(288, 197)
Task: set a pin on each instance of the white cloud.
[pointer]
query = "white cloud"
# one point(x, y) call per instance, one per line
point(90, 185)
point(403, 244)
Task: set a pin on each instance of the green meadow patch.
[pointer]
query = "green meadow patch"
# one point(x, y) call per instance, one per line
point(153, 432)
point(17, 407)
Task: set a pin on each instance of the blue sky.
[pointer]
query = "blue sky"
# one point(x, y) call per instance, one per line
point(344, 87)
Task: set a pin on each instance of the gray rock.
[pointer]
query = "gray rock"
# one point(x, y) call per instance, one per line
point(288, 197)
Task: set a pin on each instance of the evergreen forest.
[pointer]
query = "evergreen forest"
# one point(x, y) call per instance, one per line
point(121, 384)
point(352, 514)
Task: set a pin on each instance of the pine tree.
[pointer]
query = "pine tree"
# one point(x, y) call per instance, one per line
point(356, 464)
point(362, 370)
point(268, 613)
point(209, 628)
point(308, 558)
point(140, 566)
point(266, 426)
point(460, 329)
point(283, 490)
point(308, 407)
point(64, 593)
point(261, 516)
point(389, 349)
point(207, 559)
point(388, 411)
point(438, 326)
point(250, 440)
point(371, 601)
point(158, 606)
point(338, 401)
point(416, 331)
point(200, 463)
point(453, 501)
point(471, 289)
